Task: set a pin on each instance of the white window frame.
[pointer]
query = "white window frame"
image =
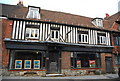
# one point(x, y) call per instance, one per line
point(102, 39)
point(35, 13)
point(30, 31)
point(55, 38)
point(83, 38)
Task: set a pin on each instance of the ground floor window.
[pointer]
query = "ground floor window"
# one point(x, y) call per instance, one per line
point(117, 59)
point(27, 59)
point(85, 60)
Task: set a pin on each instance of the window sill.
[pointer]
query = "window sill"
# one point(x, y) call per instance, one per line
point(31, 39)
point(82, 42)
point(27, 70)
point(84, 68)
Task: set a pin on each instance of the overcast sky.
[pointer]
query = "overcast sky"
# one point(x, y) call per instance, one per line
point(89, 8)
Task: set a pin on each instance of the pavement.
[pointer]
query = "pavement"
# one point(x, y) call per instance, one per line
point(105, 76)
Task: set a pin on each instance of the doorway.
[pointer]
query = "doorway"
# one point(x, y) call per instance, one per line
point(54, 62)
point(109, 66)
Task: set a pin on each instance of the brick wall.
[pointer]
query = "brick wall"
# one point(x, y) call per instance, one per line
point(103, 63)
point(65, 62)
point(6, 33)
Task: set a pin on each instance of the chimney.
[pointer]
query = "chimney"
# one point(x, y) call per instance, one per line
point(107, 15)
point(20, 3)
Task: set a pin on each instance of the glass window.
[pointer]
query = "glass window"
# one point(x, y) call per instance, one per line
point(117, 41)
point(55, 34)
point(28, 60)
point(102, 40)
point(85, 60)
point(117, 59)
point(32, 33)
point(33, 13)
point(83, 38)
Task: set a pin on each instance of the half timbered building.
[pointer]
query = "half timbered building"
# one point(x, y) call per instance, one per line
point(49, 42)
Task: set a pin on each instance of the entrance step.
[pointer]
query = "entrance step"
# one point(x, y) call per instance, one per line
point(54, 75)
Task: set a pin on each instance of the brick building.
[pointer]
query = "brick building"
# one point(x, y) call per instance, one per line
point(46, 42)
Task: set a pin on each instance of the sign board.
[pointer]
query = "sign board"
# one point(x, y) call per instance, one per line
point(92, 63)
point(18, 64)
point(27, 64)
point(36, 64)
point(78, 63)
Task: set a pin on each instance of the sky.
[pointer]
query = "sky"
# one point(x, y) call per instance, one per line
point(88, 8)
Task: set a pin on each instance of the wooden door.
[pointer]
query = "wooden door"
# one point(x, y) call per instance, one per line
point(109, 66)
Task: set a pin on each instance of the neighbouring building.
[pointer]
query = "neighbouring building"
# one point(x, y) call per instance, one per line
point(45, 42)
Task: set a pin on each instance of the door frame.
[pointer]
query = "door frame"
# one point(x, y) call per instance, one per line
point(48, 61)
point(110, 62)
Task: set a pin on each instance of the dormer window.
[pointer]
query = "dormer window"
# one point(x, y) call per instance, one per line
point(98, 22)
point(34, 12)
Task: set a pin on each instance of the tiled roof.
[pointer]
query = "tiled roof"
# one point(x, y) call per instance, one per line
point(16, 11)
point(109, 22)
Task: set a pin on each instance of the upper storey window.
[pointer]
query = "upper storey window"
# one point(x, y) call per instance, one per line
point(34, 12)
point(117, 40)
point(83, 36)
point(55, 33)
point(101, 38)
point(32, 33)
point(98, 22)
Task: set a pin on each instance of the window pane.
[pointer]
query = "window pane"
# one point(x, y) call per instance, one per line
point(52, 34)
point(80, 38)
point(35, 15)
point(36, 33)
point(119, 40)
point(56, 34)
point(31, 14)
point(32, 33)
point(27, 32)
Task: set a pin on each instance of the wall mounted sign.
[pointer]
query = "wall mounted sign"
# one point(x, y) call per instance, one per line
point(18, 64)
point(78, 63)
point(27, 64)
point(36, 64)
point(92, 63)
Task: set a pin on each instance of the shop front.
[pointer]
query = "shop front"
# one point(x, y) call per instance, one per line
point(53, 58)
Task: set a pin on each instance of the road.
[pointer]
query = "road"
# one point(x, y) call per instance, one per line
point(118, 79)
